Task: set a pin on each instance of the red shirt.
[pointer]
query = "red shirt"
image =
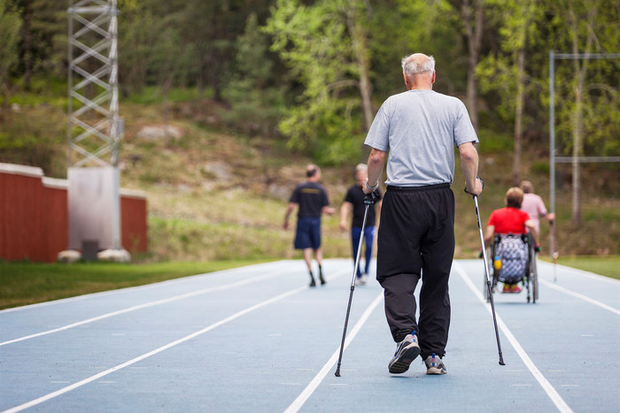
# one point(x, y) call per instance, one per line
point(509, 220)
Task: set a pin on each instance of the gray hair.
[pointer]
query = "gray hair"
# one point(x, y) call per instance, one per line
point(417, 63)
point(361, 167)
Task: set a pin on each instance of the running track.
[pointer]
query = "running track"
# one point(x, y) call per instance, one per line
point(258, 339)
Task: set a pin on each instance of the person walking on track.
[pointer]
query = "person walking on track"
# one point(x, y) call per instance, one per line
point(354, 203)
point(534, 205)
point(419, 128)
point(313, 201)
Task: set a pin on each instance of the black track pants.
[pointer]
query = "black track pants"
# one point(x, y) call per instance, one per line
point(416, 240)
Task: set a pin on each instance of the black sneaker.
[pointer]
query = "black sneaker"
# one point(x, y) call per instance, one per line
point(312, 282)
point(434, 365)
point(406, 351)
point(321, 279)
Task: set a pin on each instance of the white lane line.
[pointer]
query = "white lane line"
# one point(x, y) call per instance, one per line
point(81, 383)
point(580, 296)
point(544, 383)
point(305, 395)
point(146, 305)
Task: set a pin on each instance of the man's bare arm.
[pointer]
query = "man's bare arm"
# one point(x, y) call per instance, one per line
point(469, 166)
point(376, 161)
point(290, 208)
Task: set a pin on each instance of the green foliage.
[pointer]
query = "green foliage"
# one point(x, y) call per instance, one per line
point(434, 28)
point(316, 44)
point(35, 137)
point(518, 26)
point(254, 92)
point(586, 26)
point(10, 25)
point(540, 168)
point(493, 142)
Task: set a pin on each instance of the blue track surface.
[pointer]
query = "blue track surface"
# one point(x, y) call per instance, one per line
point(258, 339)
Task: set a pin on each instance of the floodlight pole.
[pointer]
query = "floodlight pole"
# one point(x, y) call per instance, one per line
point(95, 127)
point(563, 159)
point(552, 139)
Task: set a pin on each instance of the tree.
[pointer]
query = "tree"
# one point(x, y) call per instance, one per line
point(472, 15)
point(325, 47)
point(505, 71)
point(586, 26)
point(10, 24)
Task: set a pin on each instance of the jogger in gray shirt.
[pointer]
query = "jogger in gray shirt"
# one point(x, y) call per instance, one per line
point(419, 128)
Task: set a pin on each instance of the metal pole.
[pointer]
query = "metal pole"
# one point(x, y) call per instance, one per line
point(355, 267)
point(70, 81)
point(552, 139)
point(488, 278)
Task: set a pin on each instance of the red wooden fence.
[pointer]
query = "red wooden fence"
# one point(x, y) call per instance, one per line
point(34, 221)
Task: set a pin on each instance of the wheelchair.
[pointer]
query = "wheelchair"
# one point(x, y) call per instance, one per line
point(529, 276)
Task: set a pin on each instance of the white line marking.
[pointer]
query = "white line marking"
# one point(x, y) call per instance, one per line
point(146, 305)
point(213, 326)
point(544, 383)
point(305, 395)
point(580, 296)
point(587, 335)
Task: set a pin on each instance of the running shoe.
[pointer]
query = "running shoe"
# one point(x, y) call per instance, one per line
point(312, 282)
point(434, 365)
point(516, 289)
point(321, 279)
point(406, 351)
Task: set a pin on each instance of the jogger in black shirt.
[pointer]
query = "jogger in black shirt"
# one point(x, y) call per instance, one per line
point(313, 201)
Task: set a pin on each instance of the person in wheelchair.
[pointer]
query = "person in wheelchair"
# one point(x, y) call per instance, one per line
point(511, 223)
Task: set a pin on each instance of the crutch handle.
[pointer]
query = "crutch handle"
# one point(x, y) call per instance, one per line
point(481, 181)
point(371, 199)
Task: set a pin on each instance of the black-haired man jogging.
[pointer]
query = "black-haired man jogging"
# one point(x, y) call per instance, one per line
point(419, 128)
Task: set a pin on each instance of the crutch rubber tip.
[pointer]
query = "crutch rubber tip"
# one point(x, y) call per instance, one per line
point(337, 373)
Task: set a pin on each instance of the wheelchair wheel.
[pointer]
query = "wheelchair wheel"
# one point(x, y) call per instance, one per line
point(534, 279)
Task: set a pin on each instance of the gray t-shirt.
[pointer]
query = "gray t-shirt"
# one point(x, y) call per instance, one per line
point(420, 129)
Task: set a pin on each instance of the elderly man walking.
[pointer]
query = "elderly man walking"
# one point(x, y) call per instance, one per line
point(419, 128)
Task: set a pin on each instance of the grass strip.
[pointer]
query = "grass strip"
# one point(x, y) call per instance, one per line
point(608, 266)
point(30, 283)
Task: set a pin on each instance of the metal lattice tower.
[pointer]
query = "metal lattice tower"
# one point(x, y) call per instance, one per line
point(95, 128)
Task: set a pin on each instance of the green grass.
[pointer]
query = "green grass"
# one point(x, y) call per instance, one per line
point(29, 283)
point(608, 266)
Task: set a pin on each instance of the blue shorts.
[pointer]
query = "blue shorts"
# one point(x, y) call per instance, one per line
point(308, 234)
